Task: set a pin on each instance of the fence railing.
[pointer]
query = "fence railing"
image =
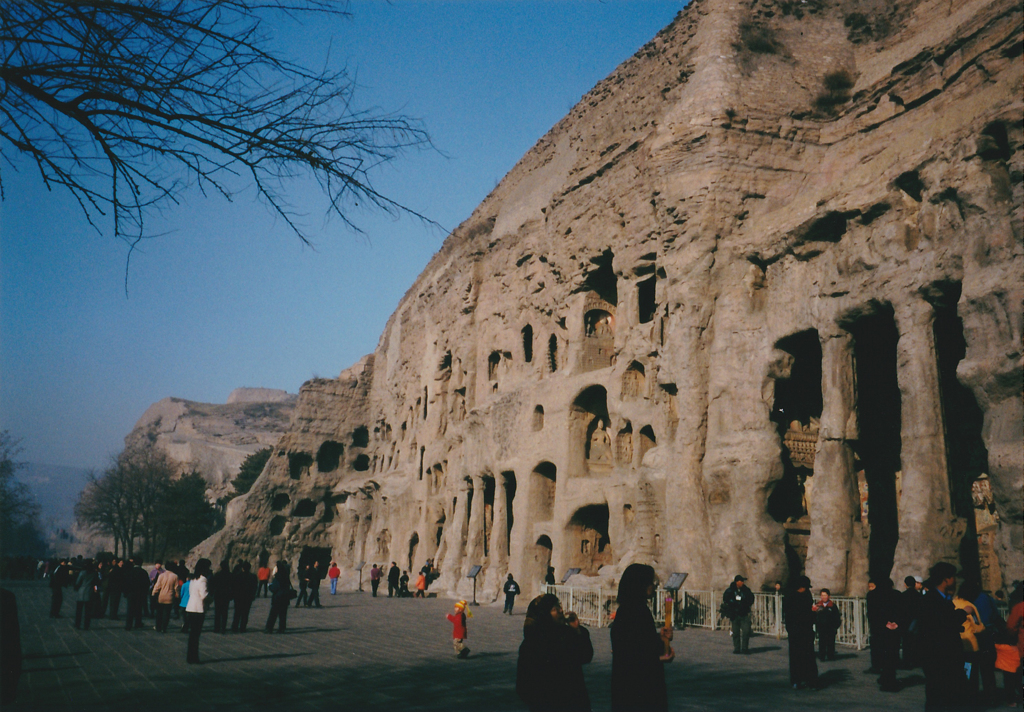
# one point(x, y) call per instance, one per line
point(700, 609)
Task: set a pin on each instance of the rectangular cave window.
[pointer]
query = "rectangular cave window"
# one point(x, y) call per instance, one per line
point(645, 299)
point(528, 343)
point(553, 353)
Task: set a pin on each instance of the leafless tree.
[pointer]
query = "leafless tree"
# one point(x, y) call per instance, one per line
point(20, 532)
point(125, 103)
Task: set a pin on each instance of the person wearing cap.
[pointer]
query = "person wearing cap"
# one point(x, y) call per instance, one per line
point(737, 601)
point(910, 606)
point(459, 629)
point(942, 653)
point(797, 610)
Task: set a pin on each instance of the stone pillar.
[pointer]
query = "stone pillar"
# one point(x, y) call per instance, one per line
point(836, 500)
point(498, 559)
point(929, 531)
point(453, 542)
point(475, 535)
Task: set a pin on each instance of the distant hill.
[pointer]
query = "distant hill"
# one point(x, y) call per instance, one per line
point(216, 437)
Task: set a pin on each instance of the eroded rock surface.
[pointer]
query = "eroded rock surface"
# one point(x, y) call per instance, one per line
point(215, 438)
point(753, 306)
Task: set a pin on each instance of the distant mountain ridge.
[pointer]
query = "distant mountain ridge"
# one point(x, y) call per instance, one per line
point(216, 438)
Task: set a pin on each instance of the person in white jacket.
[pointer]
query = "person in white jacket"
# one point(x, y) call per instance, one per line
point(195, 611)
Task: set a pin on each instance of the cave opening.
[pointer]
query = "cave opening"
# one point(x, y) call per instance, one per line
point(329, 456)
point(510, 495)
point(966, 454)
point(796, 413)
point(587, 539)
point(646, 304)
point(589, 437)
point(601, 278)
point(879, 418)
point(527, 343)
point(488, 517)
point(542, 496)
point(414, 541)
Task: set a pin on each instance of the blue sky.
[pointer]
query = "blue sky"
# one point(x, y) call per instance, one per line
point(227, 296)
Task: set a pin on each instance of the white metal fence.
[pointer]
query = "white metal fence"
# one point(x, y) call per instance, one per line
point(700, 609)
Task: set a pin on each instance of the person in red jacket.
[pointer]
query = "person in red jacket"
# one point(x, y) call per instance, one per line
point(333, 573)
point(459, 630)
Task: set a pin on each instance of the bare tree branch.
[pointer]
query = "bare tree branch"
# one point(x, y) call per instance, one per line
point(126, 103)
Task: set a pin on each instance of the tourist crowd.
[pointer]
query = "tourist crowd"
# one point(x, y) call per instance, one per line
point(955, 634)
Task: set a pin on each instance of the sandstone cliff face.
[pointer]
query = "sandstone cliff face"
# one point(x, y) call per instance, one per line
point(753, 306)
point(216, 438)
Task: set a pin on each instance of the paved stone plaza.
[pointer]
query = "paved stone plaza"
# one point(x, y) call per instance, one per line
point(358, 652)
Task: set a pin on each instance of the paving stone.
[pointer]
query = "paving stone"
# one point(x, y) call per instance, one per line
point(359, 652)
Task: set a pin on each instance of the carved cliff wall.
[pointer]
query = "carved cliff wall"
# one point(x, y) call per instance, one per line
point(753, 306)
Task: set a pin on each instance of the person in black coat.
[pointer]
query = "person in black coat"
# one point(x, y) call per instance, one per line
point(10, 647)
point(796, 606)
point(885, 611)
point(942, 653)
point(314, 576)
point(639, 653)
point(136, 590)
point(827, 619)
point(245, 585)
point(60, 578)
point(394, 574)
point(910, 605)
point(549, 673)
point(221, 583)
point(737, 601)
point(280, 596)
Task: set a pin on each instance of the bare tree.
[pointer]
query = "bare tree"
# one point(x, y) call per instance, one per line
point(20, 532)
point(104, 507)
point(124, 103)
point(143, 499)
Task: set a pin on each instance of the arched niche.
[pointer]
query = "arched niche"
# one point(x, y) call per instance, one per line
point(587, 539)
point(647, 440)
point(537, 561)
point(542, 491)
point(538, 418)
point(624, 445)
point(590, 441)
point(634, 382)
